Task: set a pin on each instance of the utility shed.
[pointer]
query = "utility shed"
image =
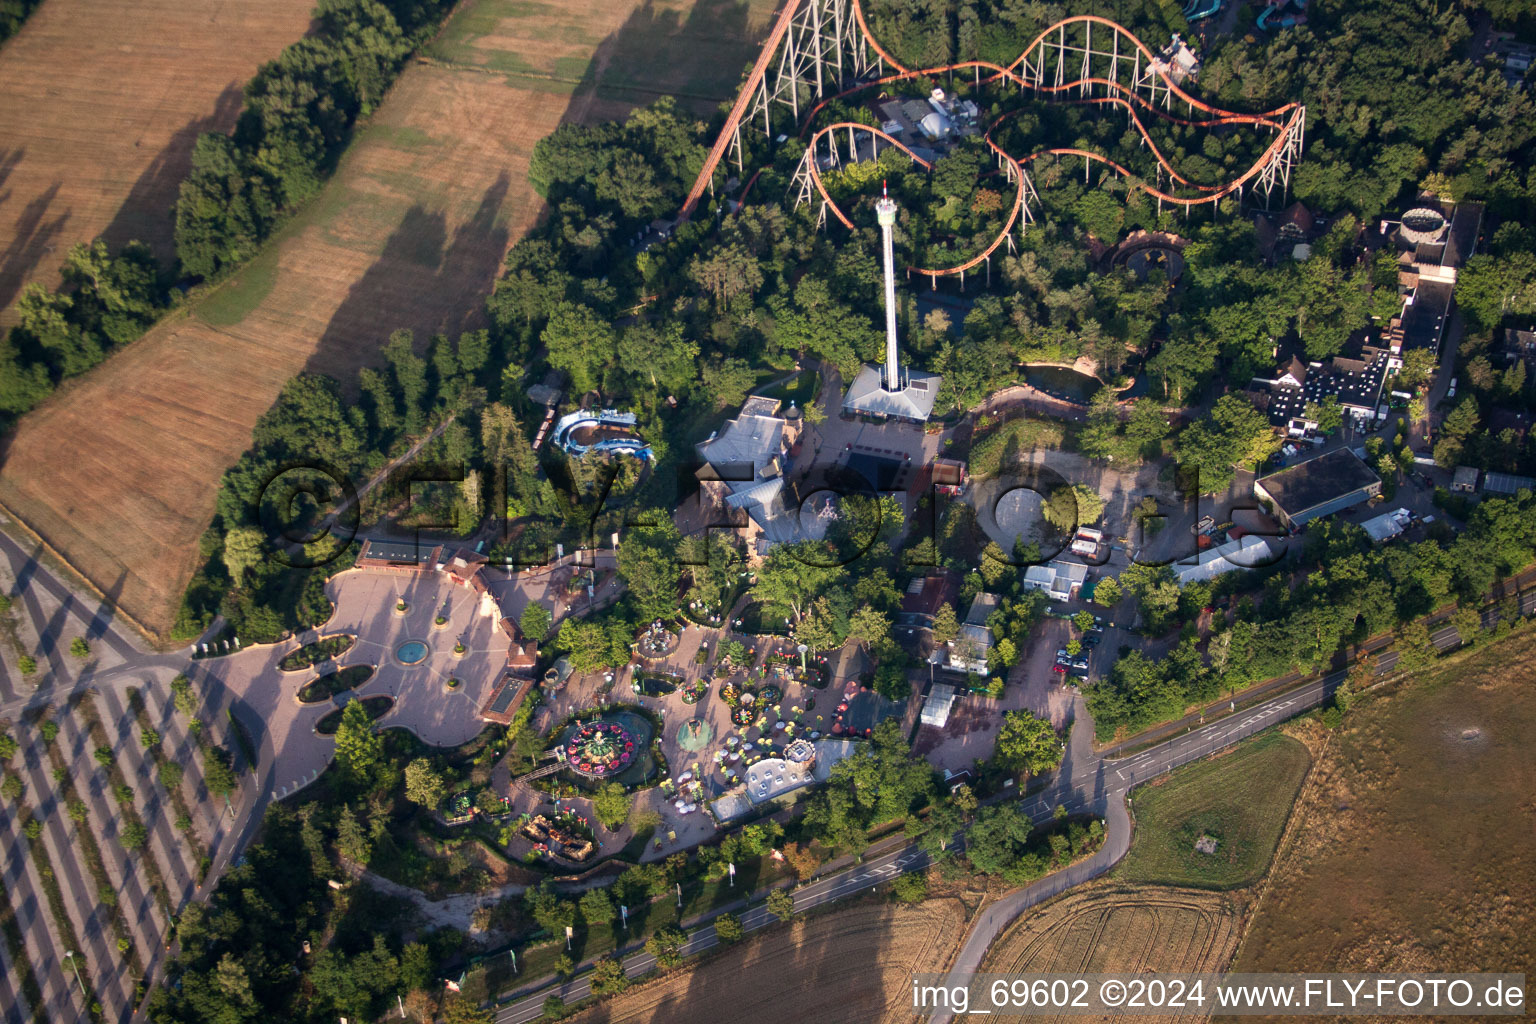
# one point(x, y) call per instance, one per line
point(1318, 487)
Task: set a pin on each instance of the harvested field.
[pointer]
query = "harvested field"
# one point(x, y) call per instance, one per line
point(410, 233)
point(103, 101)
point(852, 964)
point(1241, 800)
point(1413, 851)
point(1112, 927)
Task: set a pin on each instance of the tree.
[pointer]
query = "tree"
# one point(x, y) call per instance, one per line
point(26, 664)
point(8, 747)
point(994, 842)
point(910, 888)
point(133, 836)
point(727, 381)
point(1028, 744)
point(218, 775)
point(552, 912)
point(171, 774)
point(611, 804)
point(359, 749)
point(597, 907)
point(12, 788)
point(946, 625)
point(462, 1010)
point(534, 622)
point(794, 575)
point(728, 928)
point(579, 342)
point(650, 565)
point(868, 626)
point(1069, 507)
point(781, 904)
point(666, 945)
point(802, 860)
point(1234, 433)
point(245, 547)
point(608, 977)
point(424, 785)
point(182, 695)
point(79, 648)
point(352, 841)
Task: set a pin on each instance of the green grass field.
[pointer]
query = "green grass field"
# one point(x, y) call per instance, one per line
point(1242, 800)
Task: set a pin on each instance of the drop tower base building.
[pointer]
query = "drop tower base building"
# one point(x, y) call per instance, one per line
point(891, 391)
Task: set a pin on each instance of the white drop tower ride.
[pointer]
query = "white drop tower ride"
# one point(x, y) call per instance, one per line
point(885, 212)
point(888, 391)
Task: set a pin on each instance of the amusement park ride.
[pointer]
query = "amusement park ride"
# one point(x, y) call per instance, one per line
point(822, 50)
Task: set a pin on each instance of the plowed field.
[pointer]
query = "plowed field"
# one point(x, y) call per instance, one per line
point(103, 100)
point(848, 965)
point(1121, 928)
point(119, 470)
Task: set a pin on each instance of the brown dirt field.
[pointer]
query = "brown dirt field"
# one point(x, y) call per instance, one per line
point(1413, 848)
point(103, 101)
point(409, 233)
point(1113, 927)
point(852, 964)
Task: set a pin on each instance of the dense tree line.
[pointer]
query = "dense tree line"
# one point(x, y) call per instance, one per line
point(12, 14)
point(1286, 618)
point(298, 115)
point(104, 303)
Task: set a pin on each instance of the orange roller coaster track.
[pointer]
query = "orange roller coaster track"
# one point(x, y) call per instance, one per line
point(825, 47)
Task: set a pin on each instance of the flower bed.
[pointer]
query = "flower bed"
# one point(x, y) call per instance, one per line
point(742, 715)
point(695, 693)
point(313, 653)
point(323, 688)
point(731, 694)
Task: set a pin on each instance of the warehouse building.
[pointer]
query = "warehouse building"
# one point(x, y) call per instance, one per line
point(1318, 487)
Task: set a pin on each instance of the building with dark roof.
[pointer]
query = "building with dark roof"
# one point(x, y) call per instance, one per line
point(462, 566)
point(1355, 383)
point(925, 596)
point(507, 696)
point(1317, 487)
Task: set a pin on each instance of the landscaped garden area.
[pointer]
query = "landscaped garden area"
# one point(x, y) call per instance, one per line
point(376, 707)
point(763, 619)
point(312, 654)
point(323, 688)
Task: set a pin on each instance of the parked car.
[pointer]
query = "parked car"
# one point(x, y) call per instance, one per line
point(1093, 639)
point(1081, 663)
point(1059, 667)
point(1079, 673)
point(1062, 652)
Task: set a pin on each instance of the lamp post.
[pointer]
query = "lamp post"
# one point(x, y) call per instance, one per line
point(802, 649)
point(69, 955)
